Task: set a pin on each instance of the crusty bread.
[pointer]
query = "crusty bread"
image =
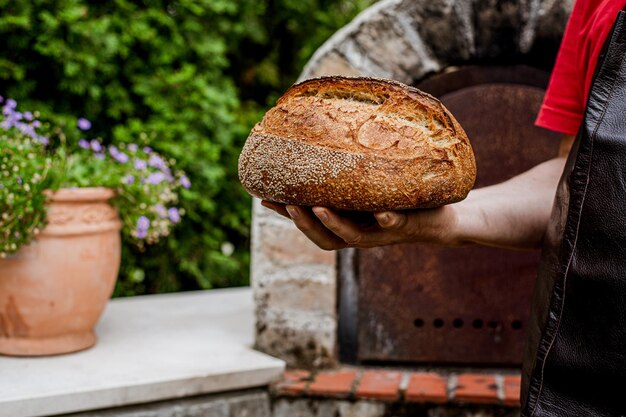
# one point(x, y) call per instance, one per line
point(358, 144)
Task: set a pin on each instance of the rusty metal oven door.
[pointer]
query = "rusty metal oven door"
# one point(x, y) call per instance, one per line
point(430, 305)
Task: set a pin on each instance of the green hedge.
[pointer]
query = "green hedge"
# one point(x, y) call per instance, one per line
point(192, 76)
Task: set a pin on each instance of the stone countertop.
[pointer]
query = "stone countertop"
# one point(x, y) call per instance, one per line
point(150, 348)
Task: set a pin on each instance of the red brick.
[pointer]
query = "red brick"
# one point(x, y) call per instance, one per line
point(294, 382)
point(476, 389)
point(512, 385)
point(379, 385)
point(426, 387)
point(333, 383)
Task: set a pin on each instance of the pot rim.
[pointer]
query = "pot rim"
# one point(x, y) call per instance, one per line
point(77, 194)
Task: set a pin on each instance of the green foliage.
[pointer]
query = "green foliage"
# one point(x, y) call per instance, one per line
point(24, 167)
point(191, 75)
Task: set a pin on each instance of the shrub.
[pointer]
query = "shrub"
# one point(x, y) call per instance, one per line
point(196, 74)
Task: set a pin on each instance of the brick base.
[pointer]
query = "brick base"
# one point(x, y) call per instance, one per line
point(408, 387)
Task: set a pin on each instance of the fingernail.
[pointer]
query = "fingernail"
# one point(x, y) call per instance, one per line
point(293, 212)
point(321, 214)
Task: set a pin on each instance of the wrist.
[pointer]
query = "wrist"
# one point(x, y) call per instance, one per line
point(437, 226)
point(448, 231)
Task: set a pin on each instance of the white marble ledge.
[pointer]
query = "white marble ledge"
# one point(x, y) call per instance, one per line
point(149, 348)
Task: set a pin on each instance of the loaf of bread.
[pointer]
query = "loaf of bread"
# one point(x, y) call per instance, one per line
point(358, 144)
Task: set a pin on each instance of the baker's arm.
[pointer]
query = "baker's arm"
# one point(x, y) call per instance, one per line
point(512, 214)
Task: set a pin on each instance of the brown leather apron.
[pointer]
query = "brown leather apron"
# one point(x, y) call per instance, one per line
point(575, 363)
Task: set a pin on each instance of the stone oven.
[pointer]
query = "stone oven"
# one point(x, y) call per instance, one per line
point(488, 60)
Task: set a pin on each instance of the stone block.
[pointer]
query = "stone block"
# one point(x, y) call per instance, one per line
point(303, 340)
point(314, 408)
point(332, 63)
point(297, 294)
point(394, 40)
point(551, 18)
point(498, 25)
point(432, 20)
point(450, 411)
point(254, 403)
point(282, 244)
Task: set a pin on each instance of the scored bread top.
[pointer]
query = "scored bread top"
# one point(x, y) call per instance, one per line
point(363, 114)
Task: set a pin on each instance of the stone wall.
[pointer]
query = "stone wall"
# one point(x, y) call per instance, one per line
point(341, 408)
point(295, 284)
point(254, 403)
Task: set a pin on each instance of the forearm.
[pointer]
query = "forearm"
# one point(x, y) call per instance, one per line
point(512, 214)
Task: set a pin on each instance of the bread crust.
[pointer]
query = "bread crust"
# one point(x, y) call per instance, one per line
point(358, 144)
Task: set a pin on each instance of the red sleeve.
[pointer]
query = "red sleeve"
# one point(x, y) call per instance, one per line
point(563, 105)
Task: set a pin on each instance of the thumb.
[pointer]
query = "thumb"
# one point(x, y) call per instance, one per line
point(390, 219)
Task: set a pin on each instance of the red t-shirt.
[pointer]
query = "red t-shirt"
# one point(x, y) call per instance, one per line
point(564, 104)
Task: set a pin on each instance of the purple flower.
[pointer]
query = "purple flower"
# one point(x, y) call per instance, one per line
point(132, 147)
point(19, 180)
point(155, 178)
point(99, 156)
point(117, 155)
point(28, 116)
point(160, 211)
point(173, 214)
point(140, 164)
point(26, 129)
point(129, 179)
point(147, 149)
point(96, 146)
point(36, 124)
point(121, 157)
point(43, 140)
point(83, 124)
point(11, 104)
point(156, 162)
point(83, 143)
point(143, 224)
point(184, 181)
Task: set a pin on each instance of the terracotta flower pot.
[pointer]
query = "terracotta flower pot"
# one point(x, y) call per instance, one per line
point(53, 291)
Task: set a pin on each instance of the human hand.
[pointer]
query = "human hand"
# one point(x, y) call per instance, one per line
point(332, 230)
